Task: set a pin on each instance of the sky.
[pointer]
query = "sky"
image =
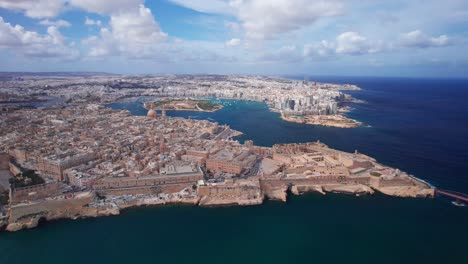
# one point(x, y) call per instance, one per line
point(410, 38)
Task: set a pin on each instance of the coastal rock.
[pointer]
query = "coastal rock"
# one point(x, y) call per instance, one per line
point(349, 189)
point(25, 224)
point(300, 189)
point(216, 201)
point(407, 191)
point(277, 194)
point(13, 227)
point(108, 211)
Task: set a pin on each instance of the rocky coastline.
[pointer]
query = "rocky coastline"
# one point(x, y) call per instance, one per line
point(88, 205)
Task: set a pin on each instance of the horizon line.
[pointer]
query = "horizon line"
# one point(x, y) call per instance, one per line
point(236, 74)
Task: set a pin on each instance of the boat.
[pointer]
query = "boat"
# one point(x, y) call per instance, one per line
point(458, 203)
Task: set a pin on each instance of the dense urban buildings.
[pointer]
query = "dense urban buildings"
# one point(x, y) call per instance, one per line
point(77, 158)
point(297, 101)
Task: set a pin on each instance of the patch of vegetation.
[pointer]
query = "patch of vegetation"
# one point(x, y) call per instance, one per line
point(376, 174)
point(160, 103)
point(4, 198)
point(207, 105)
point(27, 178)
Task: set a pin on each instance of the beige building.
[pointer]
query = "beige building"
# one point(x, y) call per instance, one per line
point(233, 161)
point(54, 166)
point(172, 174)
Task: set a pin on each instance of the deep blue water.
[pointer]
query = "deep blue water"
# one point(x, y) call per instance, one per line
point(417, 125)
point(307, 229)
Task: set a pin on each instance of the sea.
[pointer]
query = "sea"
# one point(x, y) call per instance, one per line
point(417, 125)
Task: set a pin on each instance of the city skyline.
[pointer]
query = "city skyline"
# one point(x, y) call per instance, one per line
point(364, 38)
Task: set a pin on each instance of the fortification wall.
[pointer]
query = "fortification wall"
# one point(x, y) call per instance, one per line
point(34, 192)
point(397, 182)
point(168, 188)
point(50, 209)
point(229, 190)
point(316, 180)
point(129, 182)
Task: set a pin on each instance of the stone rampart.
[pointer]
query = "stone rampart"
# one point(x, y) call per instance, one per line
point(50, 209)
point(34, 192)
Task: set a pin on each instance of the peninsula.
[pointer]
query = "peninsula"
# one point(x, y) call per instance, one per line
point(66, 164)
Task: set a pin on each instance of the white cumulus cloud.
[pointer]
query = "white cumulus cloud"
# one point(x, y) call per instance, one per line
point(233, 42)
point(347, 43)
point(323, 49)
point(267, 18)
point(351, 43)
point(418, 39)
point(133, 33)
point(106, 6)
point(264, 19)
point(35, 8)
point(92, 22)
point(288, 54)
point(33, 44)
point(57, 23)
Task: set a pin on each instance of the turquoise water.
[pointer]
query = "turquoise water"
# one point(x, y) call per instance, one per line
point(419, 126)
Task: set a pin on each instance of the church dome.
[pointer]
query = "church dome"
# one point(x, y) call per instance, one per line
point(152, 113)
